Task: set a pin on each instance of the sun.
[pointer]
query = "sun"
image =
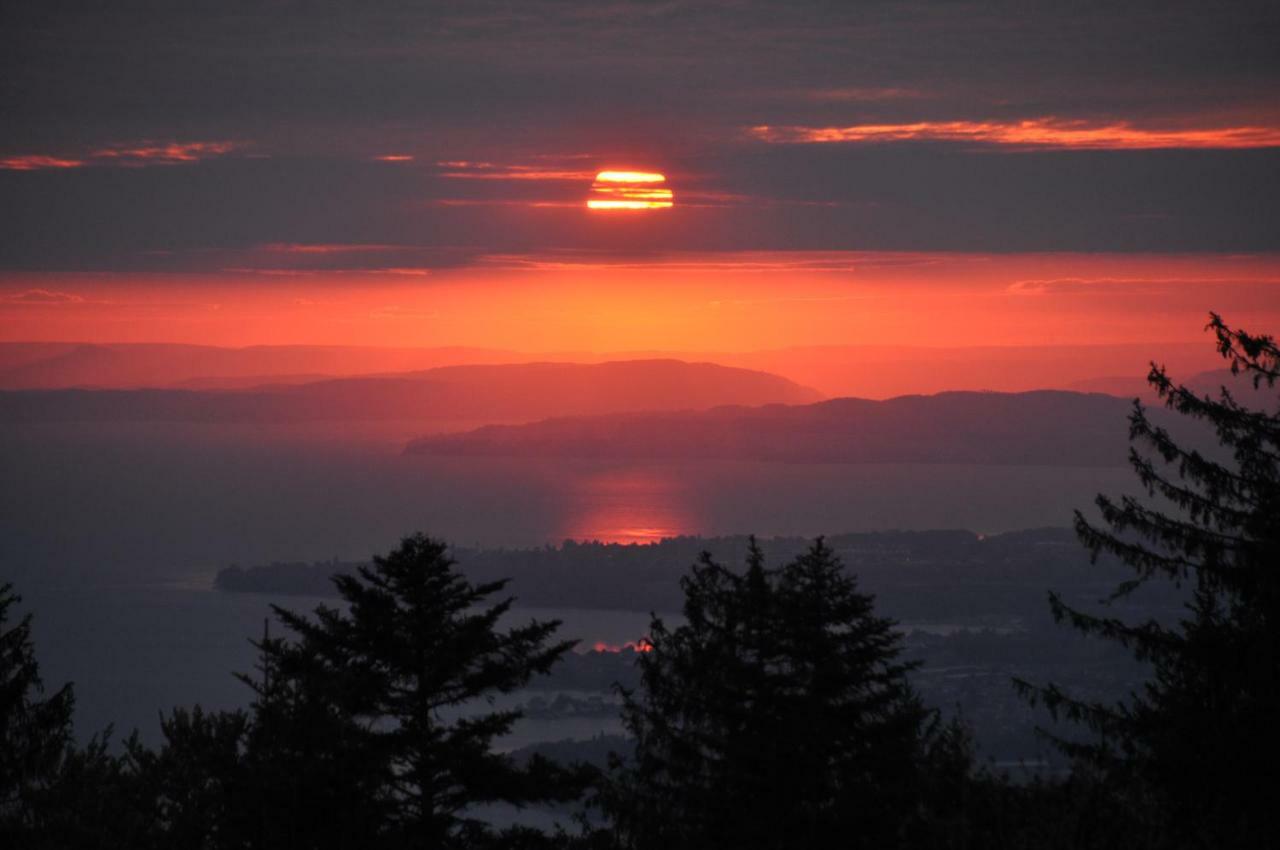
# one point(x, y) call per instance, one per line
point(630, 190)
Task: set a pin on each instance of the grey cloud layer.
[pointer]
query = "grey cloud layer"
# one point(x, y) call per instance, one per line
point(320, 87)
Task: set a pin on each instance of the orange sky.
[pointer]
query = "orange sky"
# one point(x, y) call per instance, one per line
point(689, 302)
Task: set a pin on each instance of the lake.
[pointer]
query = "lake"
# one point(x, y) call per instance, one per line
point(167, 502)
point(113, 533)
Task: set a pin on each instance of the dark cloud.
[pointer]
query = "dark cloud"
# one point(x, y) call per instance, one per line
point(234, 67)
point(915, 197)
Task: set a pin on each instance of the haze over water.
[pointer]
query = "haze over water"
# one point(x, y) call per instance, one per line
point(174, 503)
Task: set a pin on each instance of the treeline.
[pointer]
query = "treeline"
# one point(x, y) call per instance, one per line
point(915, 575)
point(778, 715)
point(781, 714)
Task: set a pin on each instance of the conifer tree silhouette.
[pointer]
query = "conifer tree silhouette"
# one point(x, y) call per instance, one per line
point(381, 712)
point(35, 730)
point(1197, 742)
point(779, 715)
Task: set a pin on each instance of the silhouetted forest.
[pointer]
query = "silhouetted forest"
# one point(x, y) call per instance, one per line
point(781, 711)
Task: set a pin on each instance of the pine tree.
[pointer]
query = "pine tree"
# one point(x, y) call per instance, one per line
point(317, 776)
point(55, 793)
point(705, 712)
point(778, 715)
point(1198, 741)
point(191, 792)
point(375, 718)
point(35, 730)
point(857, 728)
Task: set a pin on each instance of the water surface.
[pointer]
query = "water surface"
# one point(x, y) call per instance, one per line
point(113, 532)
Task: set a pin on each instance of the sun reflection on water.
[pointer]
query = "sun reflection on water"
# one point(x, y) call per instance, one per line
point(630, 506)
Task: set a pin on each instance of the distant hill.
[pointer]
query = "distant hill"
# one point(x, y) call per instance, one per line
point(861, 371)
point(64, 365)
point(248, 382)
point(1121, 386)
point(881, 372)
point(1044, 427)
point(1204, 383)
point(514, 392)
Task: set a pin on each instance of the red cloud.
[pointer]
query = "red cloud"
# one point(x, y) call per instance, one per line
point(1043, 133)
point(36, 162)
point(143, 153)
point(171, 153)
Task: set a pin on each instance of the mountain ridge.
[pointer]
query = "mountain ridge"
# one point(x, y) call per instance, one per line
point(1049, 427)
point(505, 392)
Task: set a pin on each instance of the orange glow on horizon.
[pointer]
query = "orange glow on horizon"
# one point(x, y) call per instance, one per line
point(629, 190)
point(710, 302)
point(1043, 133)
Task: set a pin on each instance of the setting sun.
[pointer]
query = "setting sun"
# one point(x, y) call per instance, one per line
point(629, 190)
